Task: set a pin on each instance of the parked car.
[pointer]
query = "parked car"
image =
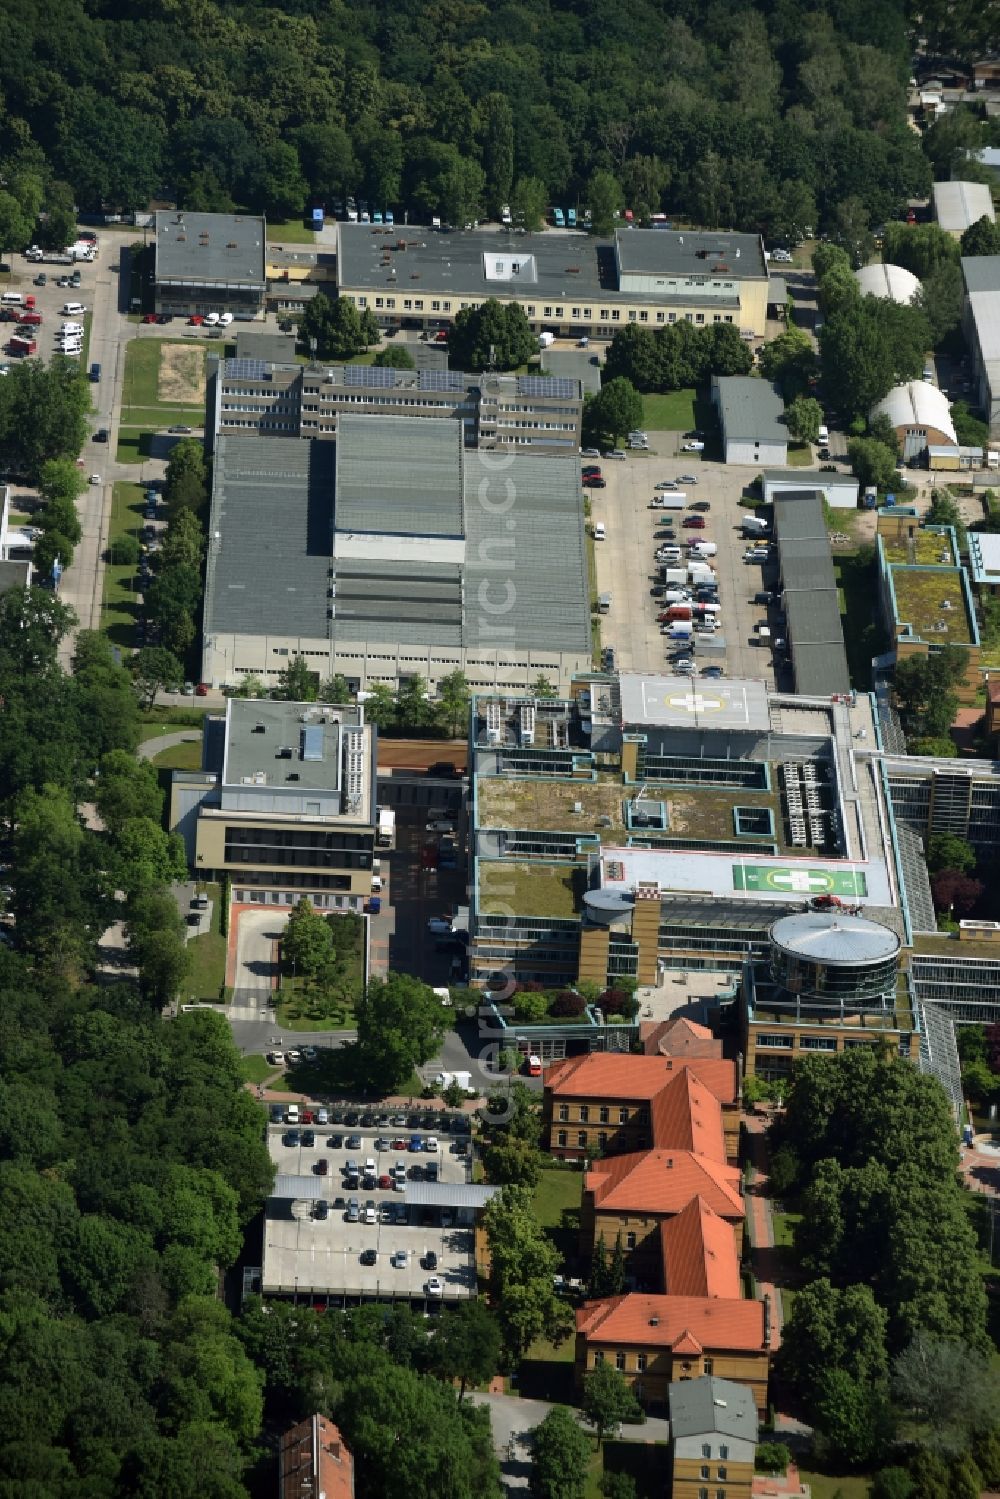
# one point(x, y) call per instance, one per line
point(321, 1210)
point(433, 1288)
point(695, 446)
point(694, 522)
point(594, 481)
point(430, 1260)
point(369, 1256)
point(179, 430)
point(689, 479)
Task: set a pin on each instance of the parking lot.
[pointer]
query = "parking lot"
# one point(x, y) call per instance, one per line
point(49, 299)
point(319, 1249)
point(627, 570)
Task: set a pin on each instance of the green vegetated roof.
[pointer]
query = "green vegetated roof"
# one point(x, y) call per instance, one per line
point(928, 597)
point(925, 548)
point(529, 889)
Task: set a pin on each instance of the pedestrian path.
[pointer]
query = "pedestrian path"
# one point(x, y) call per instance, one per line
point(761, 1226)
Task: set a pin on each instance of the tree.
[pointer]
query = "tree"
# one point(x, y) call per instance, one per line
point(145, 856)
point(395, 357)
point(617, 1268)
point(331, 328)
point(940, 299)
point(615, 410)
point(853, 1419)
point(881, 429)
point(803, 419)
point(542, 687)
point(772, 1457)
point(467, 1345)
point(514, 1161)
point(522, 1265)
point(924, 690)
point(969, 429)
point(867, 349)
point(453, 701)
point(156, 669)
point(920, 248)
point(336, 690)
point(297, 683)
point(872, 463)
point(618, 1486)
point(527, 203)
point(494, 335)
point(275, 185)
point(498, 150)
point(831, 1329)
point(949, 1416)
point(184, 542)
point(400, 1024)
point(16, 223)
point(127, 788)
point(308, 940)
point(955, 894)
point(947, 851)
point(124, 551)
point(604, 198)
point(891, 1483)
point(57, 228)
point(560, 1457)
point(981, 238)
point(789, 362)
point(186, 483)
point(607, 1400)
point(54, 897)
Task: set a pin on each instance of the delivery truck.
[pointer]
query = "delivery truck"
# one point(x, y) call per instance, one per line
point(702, 549)
point(673, 501)
point(673, 575)
point(386, 827)
point(682, 629)
point(678, 611)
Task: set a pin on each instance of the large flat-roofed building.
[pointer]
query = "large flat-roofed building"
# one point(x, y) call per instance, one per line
point(840, 491)
point(811, 602)
point(285, 806)
point(538, 415)
point(981, 325)
point(572, 285)
point(959, 205)
point(651, 824)
point(394, 552)
point(925, 594)
point(209, 262)
point(751, 416)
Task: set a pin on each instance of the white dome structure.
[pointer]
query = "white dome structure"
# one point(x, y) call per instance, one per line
point(921, 416)
point(892, 282)
point(834, 958)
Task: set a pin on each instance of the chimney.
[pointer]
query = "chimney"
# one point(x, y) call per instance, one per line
point(670, 1163)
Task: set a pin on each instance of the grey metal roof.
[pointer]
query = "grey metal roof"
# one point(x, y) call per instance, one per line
point(835, 938)
point(14, 575)
point(526, 558)
point(811, 602)
point(393, 601)
point(651, 252)
point(563, 268)
point(573, 364)
point(448, 1195)
point(806, 479)
point(272, 508)
point(276, 348)
point(749, 409)
point(213, 248)
point(813, 616)
point(712, 1405)
point(820, 670)
point(959, 204)
point(981, 272)
point(804, 566)
point(302, 1188)
point(407, 482)
point(798, 515)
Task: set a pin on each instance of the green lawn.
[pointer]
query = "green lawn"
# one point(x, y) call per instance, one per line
point(855, 1486)
point(784, 1225)
point(258, 1070)
point(800, 454)
point(556, 1192)
point(118, 611)
point(292, 233)
point(179, 757)
point(311, 1007)
point(673, 412)
point(134, 444)
point(164, 720)
point(208, 954)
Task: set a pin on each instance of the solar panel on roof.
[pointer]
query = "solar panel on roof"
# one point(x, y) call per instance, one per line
point(247, 369)
point(369, 375)
point(546, 385)
point(441, 380)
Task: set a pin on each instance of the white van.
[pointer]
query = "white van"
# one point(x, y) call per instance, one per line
point(70, 328)
point(600, 534)
point(11, 299)
point(823, 437)
point(72, 309)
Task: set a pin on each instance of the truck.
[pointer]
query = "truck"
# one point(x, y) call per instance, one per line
point(22, 346)
point(754, 525)
point(681, 630)
point(673, 575)
point(678, 611)
point(700, 572)
point(32, 319)
point(546, 340)
point(38, 256)
point(676, 596)
point(702, 549)
point(604, 603)
point(386, 831)
point(673, 501)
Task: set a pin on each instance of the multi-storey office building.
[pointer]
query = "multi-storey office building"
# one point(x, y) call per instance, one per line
point(209, 262)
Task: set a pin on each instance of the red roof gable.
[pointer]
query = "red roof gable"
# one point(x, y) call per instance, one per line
point(678, 1037)
point(683, 1323)
point(686, 1115)
point(699, 1253)
point(664, 1181)
point(614, 1075)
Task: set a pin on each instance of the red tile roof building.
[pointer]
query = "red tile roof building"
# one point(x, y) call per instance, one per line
point(313, 1460)
point(678, 1038)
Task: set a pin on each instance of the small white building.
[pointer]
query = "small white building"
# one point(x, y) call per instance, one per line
point(840, 491)
point(891, 282)
point(957, 205)
point(751, 417)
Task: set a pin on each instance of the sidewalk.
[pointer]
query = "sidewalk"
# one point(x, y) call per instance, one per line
point(761, 1227)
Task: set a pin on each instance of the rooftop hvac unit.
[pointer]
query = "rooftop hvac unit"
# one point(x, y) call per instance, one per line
point(494, 724)
point(526, 714)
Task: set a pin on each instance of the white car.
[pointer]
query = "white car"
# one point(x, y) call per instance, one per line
point(434, 1288)
point(431, 1143)
point(211, 320)
point(783, 257)
point(70, 327)
point(692, 447)
point(401, 1259)
point(225, 318)
point(96, 479)
point(276, 1058)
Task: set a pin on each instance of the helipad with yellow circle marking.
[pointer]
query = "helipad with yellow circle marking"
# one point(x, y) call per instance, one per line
point(684, 702)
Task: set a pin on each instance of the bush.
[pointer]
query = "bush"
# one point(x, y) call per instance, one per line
point(772, 1457)
point(614, 1001)
point(567, 1003)
point(124, 551)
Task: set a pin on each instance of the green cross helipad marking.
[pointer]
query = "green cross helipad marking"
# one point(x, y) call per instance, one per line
point(785, 879)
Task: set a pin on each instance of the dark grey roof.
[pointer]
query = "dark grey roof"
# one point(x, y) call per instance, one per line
point(427, 356)
point(798, 514)
point(708, 1404)
point(525, 544)
point(811, 602)
point(14, 575)
point(749, 409)
point(273, 509)
point(564, 268)
point(805, 565)
point(814, 617)
point(397, 601)
point(573, 364)
point(258, 729)
point(275, 348)
point(209, 248)
point(652, 252)
point(408, 481)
